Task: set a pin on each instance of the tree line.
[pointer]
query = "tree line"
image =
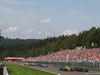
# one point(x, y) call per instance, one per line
point(9, 41)
point(52, 44)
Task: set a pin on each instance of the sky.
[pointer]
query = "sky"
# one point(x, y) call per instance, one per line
point(39, 19)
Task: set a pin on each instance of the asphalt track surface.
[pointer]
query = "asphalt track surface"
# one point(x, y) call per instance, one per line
point(56, 70)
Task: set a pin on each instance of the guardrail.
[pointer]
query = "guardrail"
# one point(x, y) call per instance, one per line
point(5, 72)
point(82, 64)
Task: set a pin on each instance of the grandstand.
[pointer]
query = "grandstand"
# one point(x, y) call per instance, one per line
point(70, 55)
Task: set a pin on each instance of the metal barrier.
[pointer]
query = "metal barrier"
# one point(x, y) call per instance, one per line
point(92, 66)
point(72, 64)
point(5, 72)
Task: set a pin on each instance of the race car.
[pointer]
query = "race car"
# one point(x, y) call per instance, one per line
point(65, 68)
point(26, 64)
point(33, 64)
point(29, 64)
point(80, 69)
point(43, 65)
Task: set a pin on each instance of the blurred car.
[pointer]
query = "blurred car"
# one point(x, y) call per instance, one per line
point(80, 69)
point(65, 68)
point(29, 64)
point(26, 64)
point(33, 64)
point(43, 65)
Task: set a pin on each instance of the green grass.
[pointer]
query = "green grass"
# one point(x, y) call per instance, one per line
point(1, 70)
point(14, 69)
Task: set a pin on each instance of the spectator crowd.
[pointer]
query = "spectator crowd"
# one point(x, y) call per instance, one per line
point(70, 55)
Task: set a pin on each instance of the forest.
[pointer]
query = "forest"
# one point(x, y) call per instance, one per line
point(8, 41)
point(52, 44)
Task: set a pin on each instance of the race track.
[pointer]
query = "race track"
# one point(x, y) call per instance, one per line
point(56, 70)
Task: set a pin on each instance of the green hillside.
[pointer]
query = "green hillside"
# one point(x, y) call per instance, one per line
point(53, 44)
point(6, 41)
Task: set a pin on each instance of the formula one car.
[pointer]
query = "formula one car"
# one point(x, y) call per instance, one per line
point(29, 64)
point(80, 69)
point(43, 65)
point(65, 68)
point(26, 64)
point(33, 64)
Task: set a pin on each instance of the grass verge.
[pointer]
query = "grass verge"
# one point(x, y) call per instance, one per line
point(14, 69)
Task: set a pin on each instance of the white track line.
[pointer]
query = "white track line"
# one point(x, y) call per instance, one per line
point(93, 73)
point(47, 71)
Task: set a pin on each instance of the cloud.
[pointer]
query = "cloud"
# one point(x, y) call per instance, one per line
point(45, 21)
point(39, 33)
point(11, 17)
point(27, 31)
point(69, 32)
point(17, 2)
point(11, 29)
point(47, 33)
point(25, 21)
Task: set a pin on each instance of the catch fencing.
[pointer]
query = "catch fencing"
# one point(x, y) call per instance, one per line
point(92, 64)
point(72, 64)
